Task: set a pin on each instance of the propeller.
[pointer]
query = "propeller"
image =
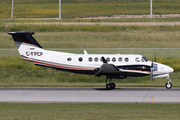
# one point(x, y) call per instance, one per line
point(151, 73)
point(153, 68)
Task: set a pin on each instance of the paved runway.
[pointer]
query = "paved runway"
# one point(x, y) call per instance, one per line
point(91, 95)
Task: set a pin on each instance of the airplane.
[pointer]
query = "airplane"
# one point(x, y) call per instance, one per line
point(118, 66)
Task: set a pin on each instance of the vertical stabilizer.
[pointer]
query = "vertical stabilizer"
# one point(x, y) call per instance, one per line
point(26, 43)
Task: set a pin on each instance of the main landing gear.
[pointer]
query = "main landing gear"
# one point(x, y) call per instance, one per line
point(109, 84)
point(168, 84)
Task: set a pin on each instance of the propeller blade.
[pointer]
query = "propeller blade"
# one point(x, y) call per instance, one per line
point(151, 73)
point(104, 60)
point(152, 64)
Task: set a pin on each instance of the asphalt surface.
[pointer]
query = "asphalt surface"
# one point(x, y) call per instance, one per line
point(89, 95)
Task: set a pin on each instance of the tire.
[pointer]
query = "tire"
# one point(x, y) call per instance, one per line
point(108, 86)
point(113, 85)
point(168, 86)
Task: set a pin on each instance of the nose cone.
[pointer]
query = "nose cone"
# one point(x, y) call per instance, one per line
point(165, 68)
point(169, 69)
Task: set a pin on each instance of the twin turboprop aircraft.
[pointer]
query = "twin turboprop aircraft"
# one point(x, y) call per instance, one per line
point(118, 66)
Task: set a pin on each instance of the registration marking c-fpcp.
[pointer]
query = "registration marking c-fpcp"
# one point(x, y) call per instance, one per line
point(34, 53)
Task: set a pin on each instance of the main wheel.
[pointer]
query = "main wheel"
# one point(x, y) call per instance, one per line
point(168, 86)
point(113, 85)
point(108, 86)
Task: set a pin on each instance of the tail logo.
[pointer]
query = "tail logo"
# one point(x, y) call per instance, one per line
point(34, 53)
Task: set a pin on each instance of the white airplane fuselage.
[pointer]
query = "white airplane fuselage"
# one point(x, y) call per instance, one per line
point(111, 65)
point(86, 63)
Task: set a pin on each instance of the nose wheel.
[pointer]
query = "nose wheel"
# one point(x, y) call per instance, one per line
point(109, 84)
point(168, 84)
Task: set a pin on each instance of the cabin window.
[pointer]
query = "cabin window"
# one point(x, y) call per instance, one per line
point(80, 59)
point(69, 59)
point(113, 59)
point(126, 59)
point(120, 59)
point(90, 59)
point(95, 59)
point(107, 59)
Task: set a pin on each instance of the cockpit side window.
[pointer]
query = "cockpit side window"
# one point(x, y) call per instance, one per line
point(137, 59)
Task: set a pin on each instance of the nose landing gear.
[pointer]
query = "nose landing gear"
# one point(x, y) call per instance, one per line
point(168, 84)
point(110, 84)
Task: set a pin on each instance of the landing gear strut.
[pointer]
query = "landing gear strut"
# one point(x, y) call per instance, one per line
point(110, 84)
point(168, 84)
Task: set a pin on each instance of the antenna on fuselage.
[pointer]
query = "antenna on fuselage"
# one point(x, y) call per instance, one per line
point(85, 52)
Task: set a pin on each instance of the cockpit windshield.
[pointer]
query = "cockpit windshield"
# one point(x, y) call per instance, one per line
point(144, 58)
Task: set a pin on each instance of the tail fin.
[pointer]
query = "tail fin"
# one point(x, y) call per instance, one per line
point(24, 37)
point(25, 43)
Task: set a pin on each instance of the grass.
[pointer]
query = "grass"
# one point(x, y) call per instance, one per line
point(88, 28)
point(124, 37)
point(6, 21)
point(81, 111)
point(82, 8)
